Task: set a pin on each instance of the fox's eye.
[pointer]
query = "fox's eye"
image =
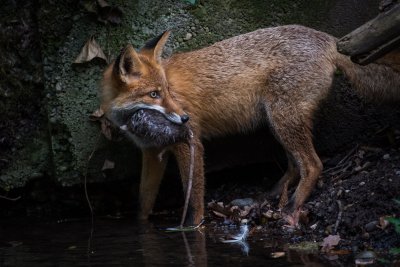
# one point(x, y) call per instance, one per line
point(154, 94)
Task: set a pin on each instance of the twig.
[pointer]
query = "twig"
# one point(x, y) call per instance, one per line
point(354, 171)
point(9, 198)
point(339, 217)
point(86, 174)
point(339, 166)
point(341, 170)
point(348, 154)
point(88, 199)
point(190, 180)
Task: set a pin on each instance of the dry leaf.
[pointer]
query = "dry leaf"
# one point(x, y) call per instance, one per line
point(89, 5)
point(383, 222)
point(278, 254)
point(102, 3)
point(96, 115)
point(219, 214)
point(108, 165)
point(329, 242)
point(106, 128)
point(90, 51)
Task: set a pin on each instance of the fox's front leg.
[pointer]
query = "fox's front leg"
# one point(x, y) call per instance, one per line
point(183, 158)
point(153, 167)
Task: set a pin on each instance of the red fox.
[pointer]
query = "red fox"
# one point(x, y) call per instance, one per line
point(274, 76)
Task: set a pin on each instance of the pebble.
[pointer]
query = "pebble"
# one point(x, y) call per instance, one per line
point(365, 257)
point(365, 235)
point(276, 216)
point(398, 173)
point(63, 168)
point(362, 183)
point(339, 193)
point(242, 202)
point(386, 156)
point(268, 214)
point(371, 226)
point(58, 86)
point(188, 36)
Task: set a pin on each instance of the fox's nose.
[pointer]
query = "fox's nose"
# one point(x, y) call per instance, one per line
point(184, 118)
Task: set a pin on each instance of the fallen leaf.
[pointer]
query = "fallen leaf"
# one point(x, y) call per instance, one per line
point(329, 242)
point(108, 165)
point(89, 5)
point(278, 254)
point(102, 3)
point(96, 115)
point(314, 226)
point(219, 214)
point(383, 222)
point(340, 252)
point(106, 128)
point(90, 50)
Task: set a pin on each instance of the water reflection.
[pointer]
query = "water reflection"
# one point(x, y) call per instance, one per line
point(125, 243)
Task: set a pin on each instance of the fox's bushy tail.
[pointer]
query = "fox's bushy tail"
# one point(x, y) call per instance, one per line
point(376, 82)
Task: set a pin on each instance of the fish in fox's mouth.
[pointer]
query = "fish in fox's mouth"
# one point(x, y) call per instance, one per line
point(151, 128)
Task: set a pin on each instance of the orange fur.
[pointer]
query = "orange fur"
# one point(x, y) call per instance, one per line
point(275, 76)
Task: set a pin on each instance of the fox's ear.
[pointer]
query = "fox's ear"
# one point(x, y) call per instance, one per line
point(127, 65)
point(154, 47)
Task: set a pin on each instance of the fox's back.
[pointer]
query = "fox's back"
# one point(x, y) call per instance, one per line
point(229, 76)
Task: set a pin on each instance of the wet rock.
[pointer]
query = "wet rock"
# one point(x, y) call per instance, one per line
point(365, 236)
point(365, 258)
point(242, 202)
point(371, 226)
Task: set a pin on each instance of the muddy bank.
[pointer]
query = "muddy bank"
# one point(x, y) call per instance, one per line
point(353, 199)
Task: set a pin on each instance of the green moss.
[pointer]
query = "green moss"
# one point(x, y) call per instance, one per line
point(32, 159)
point(309, 247)
point(73, 90)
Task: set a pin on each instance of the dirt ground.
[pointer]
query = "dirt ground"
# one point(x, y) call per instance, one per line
point(354, 196)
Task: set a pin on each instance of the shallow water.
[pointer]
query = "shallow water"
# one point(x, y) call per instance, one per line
point(122, 242)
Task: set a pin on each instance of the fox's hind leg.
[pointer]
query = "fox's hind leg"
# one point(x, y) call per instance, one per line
point(292, 127)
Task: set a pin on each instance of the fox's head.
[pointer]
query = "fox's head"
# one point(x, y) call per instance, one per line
point(136, 81)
